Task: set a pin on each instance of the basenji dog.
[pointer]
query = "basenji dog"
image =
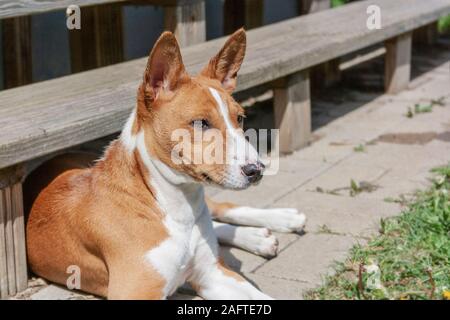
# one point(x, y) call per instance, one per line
point(136, 223)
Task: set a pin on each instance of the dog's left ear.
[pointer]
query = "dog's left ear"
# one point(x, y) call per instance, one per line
point(226, 64)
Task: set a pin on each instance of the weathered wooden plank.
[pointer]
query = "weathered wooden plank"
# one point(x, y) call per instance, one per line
point(398, 63)
point(99, 42)
point(44, 117)
point(311, 6)
point(9, 237)
point(16, 8)
point(325, 74)
point(13, 266)
point(292, 110)
point(20, 257)
point(242, 13)
point(187, 22)
point(16, 39)
point(3, 264)
point(426, 36)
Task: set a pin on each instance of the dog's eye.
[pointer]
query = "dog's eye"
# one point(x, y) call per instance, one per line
point(201, 124)
point(240, 120)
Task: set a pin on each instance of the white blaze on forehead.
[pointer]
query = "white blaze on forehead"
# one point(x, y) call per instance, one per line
point(223, 111)
point(239, 150)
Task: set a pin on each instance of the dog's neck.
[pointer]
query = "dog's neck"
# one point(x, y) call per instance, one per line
point(178, 196)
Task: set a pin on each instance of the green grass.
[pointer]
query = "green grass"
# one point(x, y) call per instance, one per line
point(412, 253)
point(444, 24)
point(337, 3)
point(425, 108)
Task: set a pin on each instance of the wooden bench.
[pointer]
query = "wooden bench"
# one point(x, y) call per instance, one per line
point(43, 118)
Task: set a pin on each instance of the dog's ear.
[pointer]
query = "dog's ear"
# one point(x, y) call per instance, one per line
point(225, 65)
point(165, 68)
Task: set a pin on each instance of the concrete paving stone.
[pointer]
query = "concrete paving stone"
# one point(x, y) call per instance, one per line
point(243, 261)
point(354, 216)
point(405, 156)
point(364, 125)
point(338, 178)
point(183, 296)
point(323, 151)
point(309, 259)
point(392, 188)
point(55, 292)
point(280, 288)
point(301, 168)
point(432, 89)
point(435, 121)
point(439, 155)
point(408, 166)
point(394, 169)
point(240, 260)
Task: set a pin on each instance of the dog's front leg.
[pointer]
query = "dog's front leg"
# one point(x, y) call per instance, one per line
point(210, 277)
point(277, 219)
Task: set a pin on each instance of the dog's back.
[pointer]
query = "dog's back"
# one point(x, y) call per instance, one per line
point(43, 175)
point(50, 227)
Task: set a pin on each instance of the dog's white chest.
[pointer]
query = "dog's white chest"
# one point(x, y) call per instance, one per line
point(181, 203)
point(172, 258)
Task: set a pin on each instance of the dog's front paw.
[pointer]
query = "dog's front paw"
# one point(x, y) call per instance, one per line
point(285, 220)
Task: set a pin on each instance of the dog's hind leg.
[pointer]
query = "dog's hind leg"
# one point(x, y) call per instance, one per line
point(259, 241)
point(278, 219)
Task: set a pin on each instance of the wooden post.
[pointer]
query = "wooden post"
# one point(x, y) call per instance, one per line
point(398, 63)
point(13, 265)
point(99, 42)
point(242, 13)
point(187, 21)
point(311, 6)
point(16, 34)
point(292, 109)
point(325, 75)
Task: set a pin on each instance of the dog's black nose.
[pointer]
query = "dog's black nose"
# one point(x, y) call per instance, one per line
point(253, 171)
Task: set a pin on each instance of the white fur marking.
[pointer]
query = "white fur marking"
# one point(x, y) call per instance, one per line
point(180, 202)
point(127, 138)
point(239, 151)
point(281, 219)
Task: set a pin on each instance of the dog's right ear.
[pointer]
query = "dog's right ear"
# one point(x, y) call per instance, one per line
point(165, 67)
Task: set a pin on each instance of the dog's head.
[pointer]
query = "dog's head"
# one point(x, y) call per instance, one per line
point(193, 124)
